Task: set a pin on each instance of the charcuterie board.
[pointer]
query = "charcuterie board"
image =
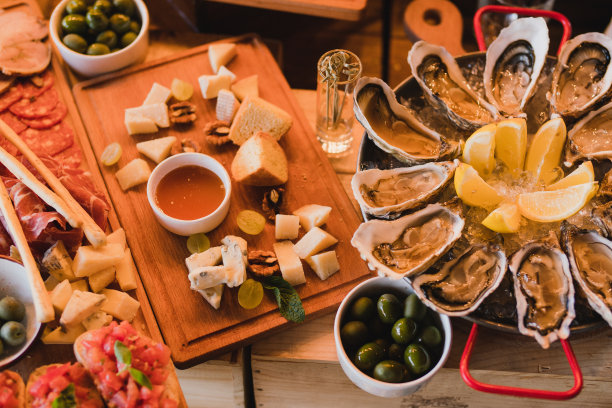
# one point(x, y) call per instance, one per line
point(194, 330)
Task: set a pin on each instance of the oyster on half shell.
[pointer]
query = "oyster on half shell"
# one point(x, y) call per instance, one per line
point(513, 64)
point(544, 292)
point(461, 285)
point(385, 193)
point(591, 137)
point(445, 87)
point(410, 244)
point(393, 127)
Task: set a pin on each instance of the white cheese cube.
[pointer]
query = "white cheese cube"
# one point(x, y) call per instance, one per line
point(102, 279)
point(289, 263)
point(213, 295)
point(50, 283)
point(227, 105)
point(60, 295)
point(60, 336)
point(210, 85)
point(157, 112)
point(286, 226)
point(312, 215)
point(248, 86)
point(313, 242)
point(221, 54)
point(136, 124)
point(79, 306)
point(157, 94)
point(156, 149)
point(117, 237)
point(97, 320)
point(119, 305)
point(89, 260)
point(126, 272)
point(80, 284)
point(135, 172)
point(224, 71)
point(324, 264)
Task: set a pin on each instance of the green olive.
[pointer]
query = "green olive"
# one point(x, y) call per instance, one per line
point(134, 26)
point(396, 352)
point(389, 308)
point(368, 356)
point(384, 344)
point(108, 37)
point(404, 330)
point(417, 359)
point(76, 7)
point(363, 309)
point(353, 334)
point(96, 20)
point(430, 337)
point(127, 39)
point(126, 7)
point(414, 308)
point(104, 6)
point(98, 49)
point(74, 24)
point(13, 333)
point(120, 23)
point(11, 309)
point(75, 42)
point(390, 371)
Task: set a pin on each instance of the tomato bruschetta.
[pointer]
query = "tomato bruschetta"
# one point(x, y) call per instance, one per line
point(12, 390)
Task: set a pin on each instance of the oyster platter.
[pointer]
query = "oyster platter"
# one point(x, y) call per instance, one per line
point(485, 181)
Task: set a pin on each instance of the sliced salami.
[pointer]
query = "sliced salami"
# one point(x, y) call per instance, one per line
point(10, 97)
point(49, 141)
point(52, 119)
point(31, 90)
point(37, 106)
point(70, 157)
point(8, 146)
point(13, 122)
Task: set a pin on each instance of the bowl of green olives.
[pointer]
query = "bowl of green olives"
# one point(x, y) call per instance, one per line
point(18, 324)
point(388, 342)
point(96, 37)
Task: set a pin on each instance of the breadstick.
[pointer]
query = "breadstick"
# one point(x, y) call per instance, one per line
point(40, 296)
point(92, 231)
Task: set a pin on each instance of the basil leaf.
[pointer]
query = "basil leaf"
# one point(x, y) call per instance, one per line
point(123, 353)
point(66, 399)
point(140, 378)
point(289, 302)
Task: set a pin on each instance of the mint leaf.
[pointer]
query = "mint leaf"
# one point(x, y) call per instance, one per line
point(140, 378)
point(123, 354)
point(66, 399)
point(289, 302)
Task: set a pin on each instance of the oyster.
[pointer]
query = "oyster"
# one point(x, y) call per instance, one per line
point(444, 86)
point(590, 137)
point(410, 244)
point(513, 64)
point(544, 292)
point(590, 257)
point(384, 193)
point(393, 127)
point(583, 74)
point(463, 283)
point(601, 215)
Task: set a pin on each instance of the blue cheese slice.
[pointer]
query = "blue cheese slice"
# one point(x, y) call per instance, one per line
point(234, 260)
point(80, 306)
point(289, 263)
point(209, 258)
point(157, 94)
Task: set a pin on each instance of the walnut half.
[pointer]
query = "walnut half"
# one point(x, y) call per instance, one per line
point(182, 112)
point(263, 263)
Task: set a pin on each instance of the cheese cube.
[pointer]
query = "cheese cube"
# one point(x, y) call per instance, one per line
point(157, 94)
point(60, 295)
point(287, 226)
point(60, 336)
point(227, 105)
point(126, 272)
point(210, 85)
point(102, 279)
point(90, 260)
point(224, 71)
point(313, 242)
point(324, 264)
point(213, 295)
point(312, 215)
point(80, 284)
point(57, 262)
point(289, 263)
point(221, 54)
point(135, 172)
point(248, 86)
point(50, 283)
point(80, 306)
point(117, 237)
point(156, 149)
point(157, 112)
point(97, 320)
point(119, 305)
point(139, 124)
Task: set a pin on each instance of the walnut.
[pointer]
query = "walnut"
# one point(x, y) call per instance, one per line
point(185, 146)
point(272, 202)
point(263, 263)
point(217, 132)
point(182, 112)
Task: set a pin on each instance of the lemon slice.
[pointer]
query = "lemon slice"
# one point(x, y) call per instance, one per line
point(473, 190)
point(545, 150)
point(556, 205)
point(583, 174)
point(505, 219)
point(480, 148)
point(511, 143)
point(250, 294)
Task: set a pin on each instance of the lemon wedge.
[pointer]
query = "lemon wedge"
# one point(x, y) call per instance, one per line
point(556, 205)
point(473, 190)
point(505, 219)
point(583, 174)
point(545, 150)
point(479, 149)
point(511, 143)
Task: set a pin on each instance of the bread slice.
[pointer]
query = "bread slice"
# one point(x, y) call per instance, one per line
point(260, 161)
point(40, 371)
point(20, 386)
point(255, 115)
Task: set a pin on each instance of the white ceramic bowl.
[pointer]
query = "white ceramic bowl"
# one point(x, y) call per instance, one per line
point(93, 65)
point(376, 287)
point(189, 227)
point(14, 282)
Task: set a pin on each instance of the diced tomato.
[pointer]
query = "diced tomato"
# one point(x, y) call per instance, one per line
point(77, 373)
point(81, 392)
point(110, 380)
point(39, 389)
point(168, 403)
point(158, 376)
point(119, 399)
point(108, 346)
point(59, 383)
point(132, 393)
point(8, 399)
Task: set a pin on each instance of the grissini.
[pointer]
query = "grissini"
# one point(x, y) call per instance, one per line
point(12, 390)
point(40, 296)
point(95, 235)
point(47, 382)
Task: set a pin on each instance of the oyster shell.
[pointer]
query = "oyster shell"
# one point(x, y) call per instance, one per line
point(463, 283)
point(444, 86)
point(393, 127)
point(384, 193)
point(601, 215)
point(583, 74)
point(590, 137)
point(513, 64)
point(544, 292)
point(590, 257)
point(410, 244)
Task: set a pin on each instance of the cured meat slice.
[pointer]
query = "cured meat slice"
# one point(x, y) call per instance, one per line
point(70, 157)
point(52, 119)
point(10, 97)
point(18, 26)
point(5, 241)
point(30, 89)
point(10, 148)
point(24, 58)
point(13, 121)
point(37, 106)
point(49, 141)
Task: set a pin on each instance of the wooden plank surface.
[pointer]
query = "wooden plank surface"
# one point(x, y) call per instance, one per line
point(193, 330)
point(338, 9)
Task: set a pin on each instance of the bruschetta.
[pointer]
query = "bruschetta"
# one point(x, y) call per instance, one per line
point(12, 390)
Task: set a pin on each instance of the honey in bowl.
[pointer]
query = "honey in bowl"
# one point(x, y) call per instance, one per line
point(189, 192)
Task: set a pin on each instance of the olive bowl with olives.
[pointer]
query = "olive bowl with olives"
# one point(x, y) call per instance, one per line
point(388, 343)
point(95, 37)
point(18, 324)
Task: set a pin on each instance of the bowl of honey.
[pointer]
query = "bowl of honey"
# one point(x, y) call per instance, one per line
point(189, 193)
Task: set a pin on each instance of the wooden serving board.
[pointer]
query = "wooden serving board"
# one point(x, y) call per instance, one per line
point(195, 331)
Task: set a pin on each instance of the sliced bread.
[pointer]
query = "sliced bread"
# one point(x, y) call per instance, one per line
point(260, 161)
point(255, 115)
